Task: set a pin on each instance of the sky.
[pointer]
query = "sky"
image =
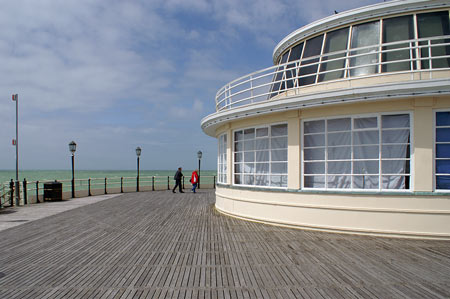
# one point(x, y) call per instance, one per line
point(117, 74)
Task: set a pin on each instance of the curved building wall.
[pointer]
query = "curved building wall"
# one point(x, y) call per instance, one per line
point(352, 139)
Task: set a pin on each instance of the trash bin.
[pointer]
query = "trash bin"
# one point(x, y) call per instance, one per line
point(53, 191)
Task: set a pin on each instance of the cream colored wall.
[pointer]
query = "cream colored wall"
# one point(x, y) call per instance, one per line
point(387, 215)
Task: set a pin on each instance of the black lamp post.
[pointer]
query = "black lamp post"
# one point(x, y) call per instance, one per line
point(199, 155)
point(72, 149)
point(138, 153)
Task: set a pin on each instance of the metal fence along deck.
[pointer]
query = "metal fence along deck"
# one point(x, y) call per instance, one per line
point(165, 245)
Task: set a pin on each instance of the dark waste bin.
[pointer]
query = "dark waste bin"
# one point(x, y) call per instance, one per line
point(53, 191)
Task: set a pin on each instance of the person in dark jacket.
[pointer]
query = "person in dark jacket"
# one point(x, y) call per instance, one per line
point(177, 177)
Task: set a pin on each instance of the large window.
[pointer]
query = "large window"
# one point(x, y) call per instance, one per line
point(357, 152)
point(222, 159)
point(364, 36)
point(442, 150)
point(260, 156)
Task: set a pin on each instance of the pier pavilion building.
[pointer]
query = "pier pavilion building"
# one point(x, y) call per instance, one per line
point(348, 131)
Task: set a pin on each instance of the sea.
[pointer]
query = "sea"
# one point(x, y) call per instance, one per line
point(61, 175)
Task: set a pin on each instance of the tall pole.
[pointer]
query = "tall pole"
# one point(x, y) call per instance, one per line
point(73, 175)
point(199, 173)
point(137, 181)
point(15, 98)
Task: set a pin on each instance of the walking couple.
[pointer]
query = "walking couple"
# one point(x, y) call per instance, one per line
point(179, 176)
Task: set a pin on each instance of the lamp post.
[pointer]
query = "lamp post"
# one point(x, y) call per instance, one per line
point(15, 98)
point(199, 155)
point(72, 149)
point(138, 153)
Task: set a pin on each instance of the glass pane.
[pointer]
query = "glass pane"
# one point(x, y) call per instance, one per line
point(262, 132)
point(315, 126)
point(249, 134)
point(442, 166)
point(394, 30)
point(339, 139)
point(362, 36)
point(312, 48)
point(314, 154)
point(279, 168)
point(238, 168)
point(278, 180)
point(340, 153)
point(366, 182)
point(366, 152)
point(249, 145)
point(339, 167)
point(262, 144)
point(395, 121)
point(442, 150)
point(365, 167)
point(434, 24)
point(238, 157)
point(395, 136)
point(395, 151)
point(395, 182)
point(279, 142)
point(339, 181)
point(365, 123)
point(314, 167)
point(314, 140)
point(238, 146)
point(340, 124)
point(238, 179)
point(279, 155)
point(261, 180)
point(317, 181)
point(442, 182)
point(395, 166)
point(249, 180)
point(335, 41)
point(249, 157)
point(279, 130)
point(365, 137)
point(296, 52)
point(443, 134)
point(262, 156)
point(238, 135)
point(249, 167)
point(442, 118)
point(262, 167)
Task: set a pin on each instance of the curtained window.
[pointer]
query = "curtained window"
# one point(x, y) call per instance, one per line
point(260, 156)
point(222, 159)
point(366, 37)
point(358, 152)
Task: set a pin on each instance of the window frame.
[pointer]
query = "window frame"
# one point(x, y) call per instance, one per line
point(435, 111)
point(352, 159)
point(233, 152)
point(219, 163)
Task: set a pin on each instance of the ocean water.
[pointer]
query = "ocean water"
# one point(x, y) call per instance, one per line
point(61, 175)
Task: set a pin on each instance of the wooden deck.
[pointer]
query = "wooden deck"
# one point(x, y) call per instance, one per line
point(165, 245)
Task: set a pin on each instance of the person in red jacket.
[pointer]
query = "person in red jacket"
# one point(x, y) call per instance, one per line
point(194, 180)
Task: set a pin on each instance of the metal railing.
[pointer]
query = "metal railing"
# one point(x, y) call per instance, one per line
point(423, 54)
point(33, 191)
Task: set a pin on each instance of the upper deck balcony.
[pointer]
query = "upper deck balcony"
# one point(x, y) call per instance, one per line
point(388, 50)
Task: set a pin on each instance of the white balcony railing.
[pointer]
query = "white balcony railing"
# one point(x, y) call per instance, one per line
point(409, 56)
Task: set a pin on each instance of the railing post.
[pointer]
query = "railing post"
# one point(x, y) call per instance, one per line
point(11, 189)
point(121, 185)
point(105, 187)
point(214, 182)
point(37, 191)
point(183, 181)
point(153, 183)
point(25, 197)
point(89, 187)
point(168, 183)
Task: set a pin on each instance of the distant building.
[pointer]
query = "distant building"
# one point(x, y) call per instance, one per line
point(349, 131)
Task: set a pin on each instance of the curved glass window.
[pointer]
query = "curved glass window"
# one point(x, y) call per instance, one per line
point(395, 30)
point(442, 151)
point(222, 159)
point(366, 39)
point(431, 25)
point(309, 66)
point(335, 42)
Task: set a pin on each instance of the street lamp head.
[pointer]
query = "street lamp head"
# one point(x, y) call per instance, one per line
point(199, 154)
point(72, 147)
point(138, 151)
